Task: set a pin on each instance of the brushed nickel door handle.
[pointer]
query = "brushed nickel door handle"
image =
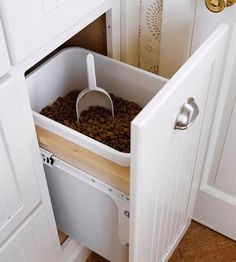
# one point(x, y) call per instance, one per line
point(217, 6)
point(187, 115)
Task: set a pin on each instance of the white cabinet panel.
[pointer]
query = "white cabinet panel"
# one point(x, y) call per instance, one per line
point(4, 64)
point(18, 186)
point(163, 159)
point(31, 243)
point(32, 24)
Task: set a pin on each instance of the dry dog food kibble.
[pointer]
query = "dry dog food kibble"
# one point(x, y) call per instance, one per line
point(97, 122)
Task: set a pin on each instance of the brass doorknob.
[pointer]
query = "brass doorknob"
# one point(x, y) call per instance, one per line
point(230, 2)
point(217, 6)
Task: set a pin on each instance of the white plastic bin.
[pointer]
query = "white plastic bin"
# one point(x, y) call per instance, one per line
point(66, 71)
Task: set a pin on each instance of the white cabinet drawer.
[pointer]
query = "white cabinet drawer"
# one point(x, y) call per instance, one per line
point(90, 211)
point(168, 137)
point(32, 24)
point(31, 242)
point(4, 65)
point(19, 193)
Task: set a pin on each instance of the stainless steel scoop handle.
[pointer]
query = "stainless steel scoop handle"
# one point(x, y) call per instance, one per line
point(187, 115)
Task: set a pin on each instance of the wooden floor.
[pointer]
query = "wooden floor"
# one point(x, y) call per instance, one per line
point(200, 244)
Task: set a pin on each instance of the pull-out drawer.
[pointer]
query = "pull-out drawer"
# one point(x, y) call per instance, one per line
point(168, 137)
point(88, 210)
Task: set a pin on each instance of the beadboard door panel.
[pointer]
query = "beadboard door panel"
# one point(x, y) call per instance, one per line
point(165, 157)
point(19, 193)
point(32, 24)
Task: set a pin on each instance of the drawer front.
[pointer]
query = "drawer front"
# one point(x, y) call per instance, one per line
point(19, 193)
point(4, 65)
point(31, 242)
point(168, 144)
point(89, 211)
point(32, 24)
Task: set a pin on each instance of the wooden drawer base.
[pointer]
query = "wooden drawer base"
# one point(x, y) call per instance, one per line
point(89, 162)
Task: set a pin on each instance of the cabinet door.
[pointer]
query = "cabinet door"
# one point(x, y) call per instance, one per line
point(18, 188)
point(164, 159)
point(32, 242)
point(32, 24)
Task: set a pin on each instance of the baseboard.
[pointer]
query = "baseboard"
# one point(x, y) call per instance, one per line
point(216, 210)
point(73, 251)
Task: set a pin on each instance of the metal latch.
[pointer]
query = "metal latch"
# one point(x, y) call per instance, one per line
point(47, 157)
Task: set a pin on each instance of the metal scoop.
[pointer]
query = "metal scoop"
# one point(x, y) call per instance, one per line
point(93, 95)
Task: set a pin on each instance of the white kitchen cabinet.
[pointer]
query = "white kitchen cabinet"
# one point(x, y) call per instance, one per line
point(30, 25)
point(19, 192)
point(32, 242)
point(164, 151)
point(165, 160)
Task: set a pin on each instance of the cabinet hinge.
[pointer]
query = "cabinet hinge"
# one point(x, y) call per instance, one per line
point(47, 157)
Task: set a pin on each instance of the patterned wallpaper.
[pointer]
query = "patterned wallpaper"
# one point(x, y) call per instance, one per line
point(150, 34)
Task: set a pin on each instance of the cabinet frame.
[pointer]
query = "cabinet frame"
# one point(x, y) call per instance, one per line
point(70, 249)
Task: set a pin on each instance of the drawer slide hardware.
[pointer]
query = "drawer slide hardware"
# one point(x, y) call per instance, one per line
point(47, 157)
